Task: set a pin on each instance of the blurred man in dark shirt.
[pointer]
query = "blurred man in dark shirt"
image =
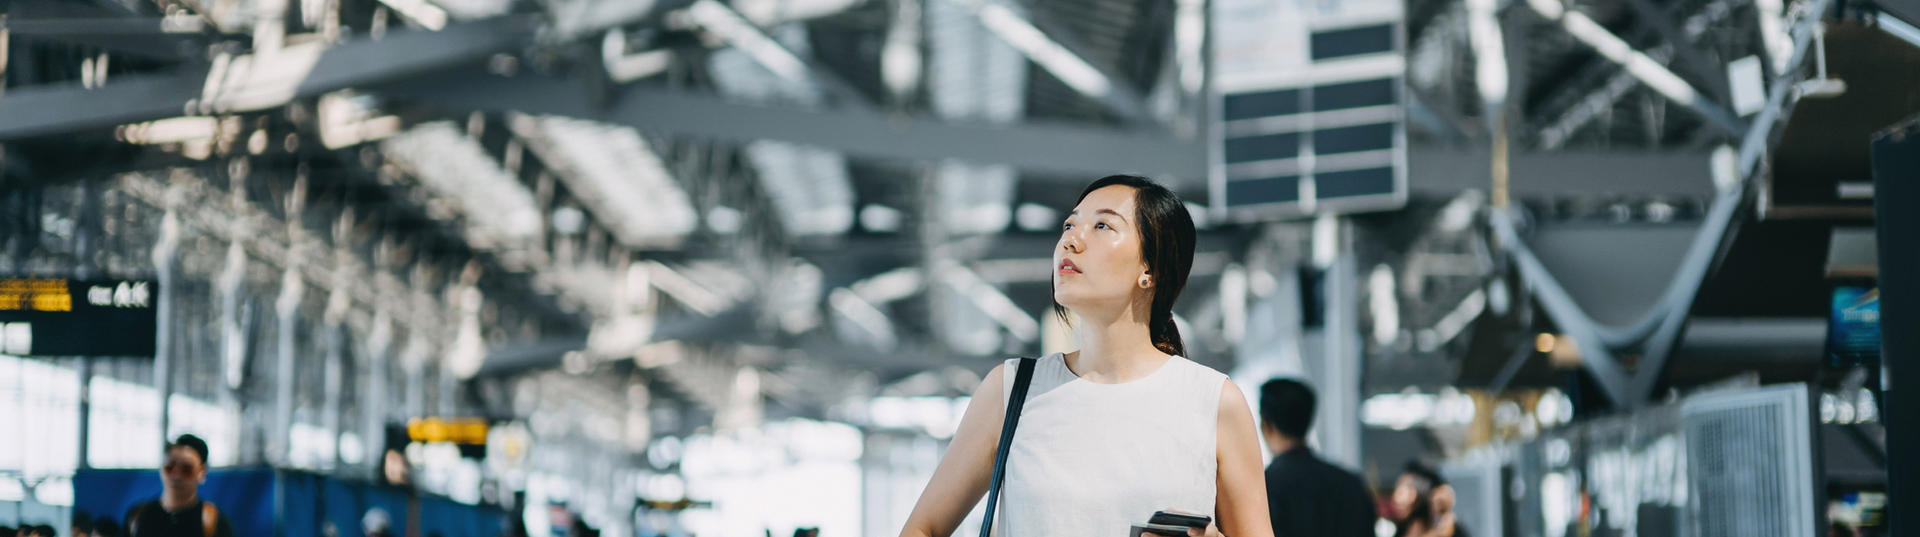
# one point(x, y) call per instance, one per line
point(81, 525)
point(1305, 495)
point(179, 512)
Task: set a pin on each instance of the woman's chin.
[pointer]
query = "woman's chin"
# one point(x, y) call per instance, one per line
point(1079, 304)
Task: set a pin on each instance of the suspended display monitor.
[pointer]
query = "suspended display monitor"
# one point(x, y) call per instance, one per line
point(1853, 327)
point(1308, 114)
point(65, 317)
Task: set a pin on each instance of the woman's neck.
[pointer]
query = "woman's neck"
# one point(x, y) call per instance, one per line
point(1115, 349)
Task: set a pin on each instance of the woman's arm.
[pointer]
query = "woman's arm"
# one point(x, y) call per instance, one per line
point(1242, 497)
point(962, 476)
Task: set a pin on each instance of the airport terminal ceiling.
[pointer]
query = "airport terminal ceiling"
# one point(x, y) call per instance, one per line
point(727, 213)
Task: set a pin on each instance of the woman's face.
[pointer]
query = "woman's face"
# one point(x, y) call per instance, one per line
point(1097, 264)
point(1406, 493)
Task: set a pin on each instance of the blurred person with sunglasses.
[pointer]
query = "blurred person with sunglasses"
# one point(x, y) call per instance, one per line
point(179, 511)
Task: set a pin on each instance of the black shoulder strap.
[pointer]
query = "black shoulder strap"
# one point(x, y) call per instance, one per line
point(1019, 399)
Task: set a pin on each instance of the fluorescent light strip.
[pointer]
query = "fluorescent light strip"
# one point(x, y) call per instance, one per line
point(891, 285)
point(426, 15)
point(1071, 69)
point(1648, 71)
point(623, 67)
point(864, 314)
point(1189, 36)
point(722, 20)
point(242, 83)
point(1548, 8)
point(992, 301)
point(684, 290)
point(1490, 73)
point(1778, 44)
point(170, 130)
point(1455, 321)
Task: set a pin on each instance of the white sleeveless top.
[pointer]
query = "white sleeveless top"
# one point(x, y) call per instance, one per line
point(1091, 459)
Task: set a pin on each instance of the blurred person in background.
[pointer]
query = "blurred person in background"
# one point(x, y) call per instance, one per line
point(1423, 504)
point(581, 529)
point(80, 525)
point(179, 511)
point(375, 523)
point(1306, 496)
point(43, 530)
point(1123, 427)
point(8, 531)
point(105, 527)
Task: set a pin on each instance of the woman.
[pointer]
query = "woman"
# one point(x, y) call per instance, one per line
point(1422, 504)
point(1125, 426)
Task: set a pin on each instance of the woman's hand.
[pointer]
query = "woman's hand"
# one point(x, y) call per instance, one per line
point(1213, 530)
point(1443, 516)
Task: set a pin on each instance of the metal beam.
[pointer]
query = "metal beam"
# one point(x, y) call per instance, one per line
point(582, 18)
point(176, 38)
point(1446, 123)
point(1595, 357)
point(1597, 342)
point(1032, 146)
point(52, 110)
point(63, 108)
point(1752, 148)
point(96, 27)
point(1444, 172)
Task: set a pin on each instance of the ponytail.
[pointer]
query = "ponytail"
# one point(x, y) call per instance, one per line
point(1166, 334)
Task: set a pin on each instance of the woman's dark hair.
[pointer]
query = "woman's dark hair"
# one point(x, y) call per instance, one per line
point(1425, 480)
point(1429, 478)
point(1166, 244)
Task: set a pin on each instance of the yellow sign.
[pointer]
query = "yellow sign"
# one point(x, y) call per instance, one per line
point(35, 294)
point(452, 430)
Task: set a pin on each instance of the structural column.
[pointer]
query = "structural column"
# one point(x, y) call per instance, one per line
point(287, 308)
point(1339, 387)
point(1896, 187)
point(166, 261)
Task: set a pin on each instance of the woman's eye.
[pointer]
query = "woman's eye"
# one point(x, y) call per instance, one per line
point(1102, 225)
point(1064, 227)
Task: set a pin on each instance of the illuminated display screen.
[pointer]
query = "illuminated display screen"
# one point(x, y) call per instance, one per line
point(67, 317)
point(1853, 330)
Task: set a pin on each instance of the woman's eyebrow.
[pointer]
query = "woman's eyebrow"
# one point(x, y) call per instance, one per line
point(1116, 214)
